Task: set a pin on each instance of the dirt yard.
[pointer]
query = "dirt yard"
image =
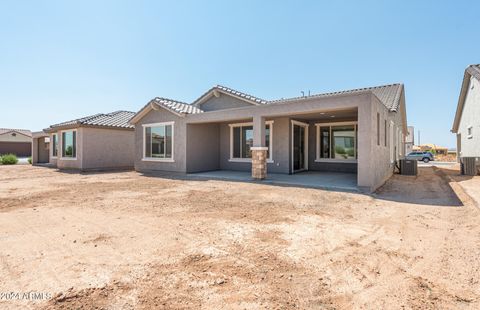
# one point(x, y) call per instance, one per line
point(128, 241)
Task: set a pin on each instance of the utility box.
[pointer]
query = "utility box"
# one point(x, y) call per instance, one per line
point(408, 167)
point(469, 165)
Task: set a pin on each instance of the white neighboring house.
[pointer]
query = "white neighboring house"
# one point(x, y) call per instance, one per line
point(466, 124)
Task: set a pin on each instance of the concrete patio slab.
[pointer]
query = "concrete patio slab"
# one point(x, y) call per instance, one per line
point(312, 179)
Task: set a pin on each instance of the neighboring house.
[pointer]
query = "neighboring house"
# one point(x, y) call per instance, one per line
point(100, 141)
point(466, 124)
point(410, 139)
point(359, 131)
point(15, 141)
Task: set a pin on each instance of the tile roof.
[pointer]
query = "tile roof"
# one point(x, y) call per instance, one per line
point(474, 70)
point(233, 92)
point(389, 95)
point(117, 119)
point(241, 94)
point(177, 106)
point(22, 131)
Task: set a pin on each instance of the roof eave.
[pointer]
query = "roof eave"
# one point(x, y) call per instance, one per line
point(461, 101)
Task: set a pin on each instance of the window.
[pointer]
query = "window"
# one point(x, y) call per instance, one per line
point(392, 145)
point(337, 141)
point(69, 144)
point(241, 140)
point(385, 133)
point(158, 141)
point(378, 128)
point(470, 132)
point(54, 145)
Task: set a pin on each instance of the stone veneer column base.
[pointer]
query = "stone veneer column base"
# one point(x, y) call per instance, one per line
point(259, 162)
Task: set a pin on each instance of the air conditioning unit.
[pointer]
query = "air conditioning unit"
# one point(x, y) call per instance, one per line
point(469, 165)
point(408, 167)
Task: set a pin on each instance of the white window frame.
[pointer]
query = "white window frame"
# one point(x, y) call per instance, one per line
point(336, 160)
point(156, 159)
point(52, 146)
point(76, 145)
point(249, 160)
point(469, 132)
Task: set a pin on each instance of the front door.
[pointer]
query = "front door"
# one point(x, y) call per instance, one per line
point(299, 146)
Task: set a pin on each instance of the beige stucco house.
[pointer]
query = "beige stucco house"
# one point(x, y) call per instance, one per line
point(360, 131)
point(466, 124)
point(100, 141)
point(15, 141)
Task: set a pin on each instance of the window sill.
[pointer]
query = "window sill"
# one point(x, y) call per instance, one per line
point(246, 160)
point(165, 160)
point(333, 160)
point(54, 157)
point(68, 158)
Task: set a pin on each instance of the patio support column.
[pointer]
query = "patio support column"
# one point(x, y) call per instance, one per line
point(259, 150)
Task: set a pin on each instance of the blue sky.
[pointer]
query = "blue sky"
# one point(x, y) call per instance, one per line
point(61, 60)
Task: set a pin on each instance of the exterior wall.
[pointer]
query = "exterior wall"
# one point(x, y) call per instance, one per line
point(14, 137)
point(280, 146)
point(69, 163)
point(202, 147)
point(179, 147)
point(107, 148)
point(374, 162)
point(332, 166)
point(470, 147)
point(223, 102)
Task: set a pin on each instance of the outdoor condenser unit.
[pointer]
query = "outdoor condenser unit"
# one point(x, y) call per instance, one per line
point(408, 167)
point(469, 165)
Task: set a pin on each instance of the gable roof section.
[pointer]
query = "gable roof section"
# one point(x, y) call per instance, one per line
point(389, 95)
point(230, 92)
point(24, 132)
point(471, 71)
point(117, 119)
point(176, 107)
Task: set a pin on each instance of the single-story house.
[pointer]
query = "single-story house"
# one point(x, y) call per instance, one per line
point(361, 131)
point(15, 141)
point(96, 142)
point(466, 124)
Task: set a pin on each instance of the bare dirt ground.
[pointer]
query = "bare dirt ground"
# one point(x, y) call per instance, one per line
point(128, 241)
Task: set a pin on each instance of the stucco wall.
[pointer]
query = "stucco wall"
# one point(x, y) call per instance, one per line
point(374, 164)
point(222, 102)
point(203, 150)
point(280, 148)
point(14, 137)
point(107, 148)
point(312, 152)
point(70, 163)
point(470, 147)
point(179, 147)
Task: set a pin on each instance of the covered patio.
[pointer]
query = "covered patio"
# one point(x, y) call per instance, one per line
point(338, 181)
